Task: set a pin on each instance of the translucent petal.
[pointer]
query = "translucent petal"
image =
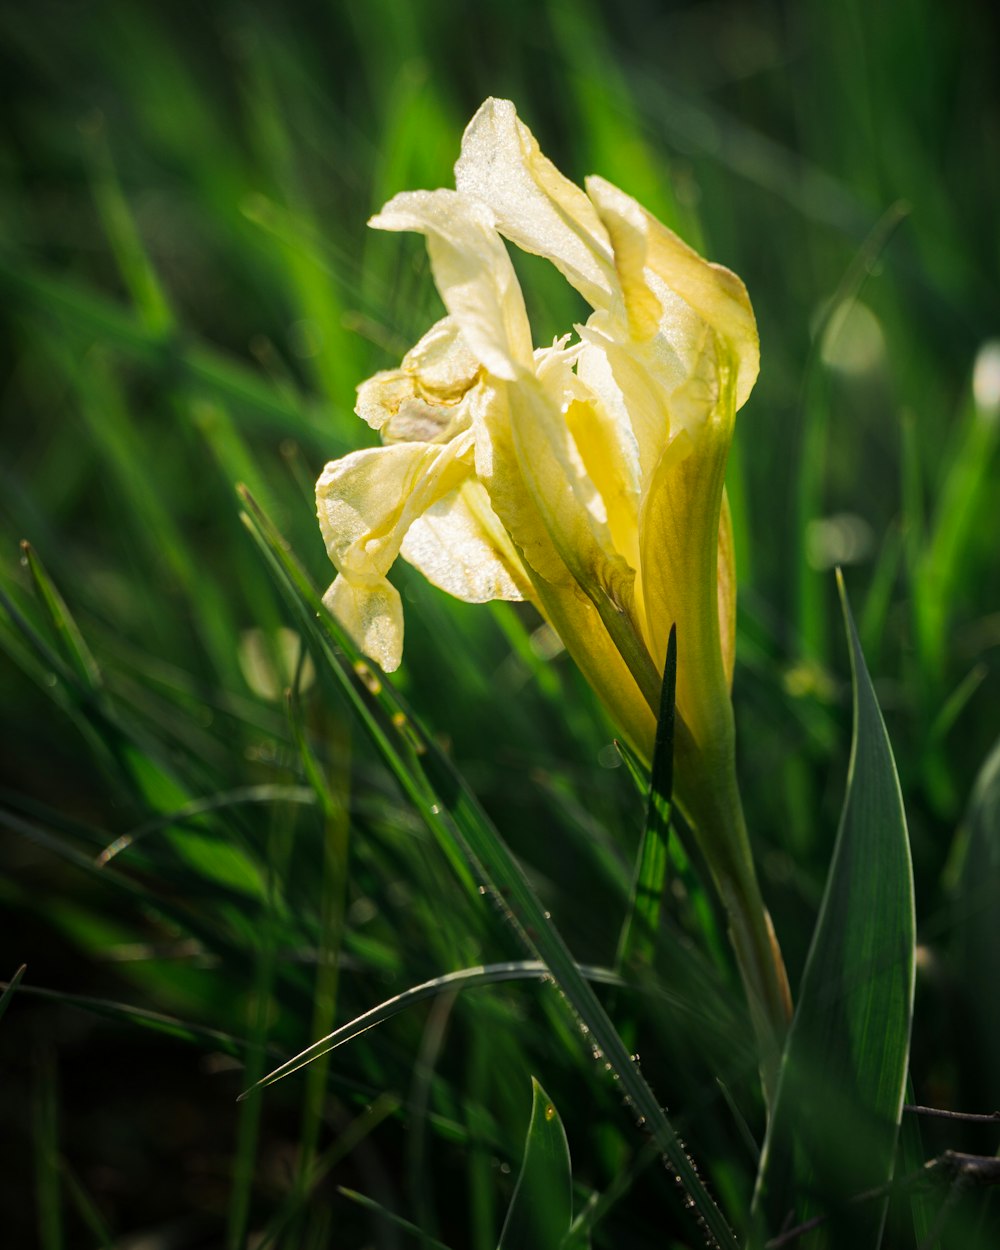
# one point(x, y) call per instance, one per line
point(460, 546)
point(367, 500)
point(372, 613)
point(472, 272)
point(535, 206)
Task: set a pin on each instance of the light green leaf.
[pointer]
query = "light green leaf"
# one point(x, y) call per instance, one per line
point(832, 1134)
point(541, 1209)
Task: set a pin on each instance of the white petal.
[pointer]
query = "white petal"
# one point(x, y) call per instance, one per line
point(454, 549)
point(472, 271)
point(373, 616)
point(535, 206)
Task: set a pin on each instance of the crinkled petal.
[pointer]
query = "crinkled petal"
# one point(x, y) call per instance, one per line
point(421, 401)
point(535, 206)
point(372, 614)
point(367, 500)
point(460, 546)
point(713, 293)
point(472, 271)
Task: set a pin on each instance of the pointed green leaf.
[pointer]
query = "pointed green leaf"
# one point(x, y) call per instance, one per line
point(541, 1209)
point(832, 1135)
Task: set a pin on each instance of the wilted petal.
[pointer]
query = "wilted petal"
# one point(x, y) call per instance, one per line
point(372, 614)
point(472, 272)
point(367, 500)
point(460, 546)
point(535, 206)
point(421, 401)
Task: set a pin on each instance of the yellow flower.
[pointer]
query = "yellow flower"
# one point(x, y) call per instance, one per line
point(586, 476)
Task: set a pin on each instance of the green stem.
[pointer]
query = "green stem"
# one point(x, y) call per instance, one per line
point(709, 793)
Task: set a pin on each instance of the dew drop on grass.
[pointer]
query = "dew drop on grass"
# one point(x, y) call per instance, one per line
point(550, 1111)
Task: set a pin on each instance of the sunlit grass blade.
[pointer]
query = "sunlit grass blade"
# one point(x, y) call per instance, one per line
point(482, 860)
point(96, 318)
point(485, 974)
point(637, 941)
point(73, 646)
point(832, 1134)
point(541, 1208)
point(119, 224)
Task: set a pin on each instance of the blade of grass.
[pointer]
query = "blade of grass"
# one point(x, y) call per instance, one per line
point(99, 319)
point(370, 1204)
point(833, 1129)
point(10, 989)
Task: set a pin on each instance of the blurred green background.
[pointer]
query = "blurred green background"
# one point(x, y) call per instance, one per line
point(189, 297)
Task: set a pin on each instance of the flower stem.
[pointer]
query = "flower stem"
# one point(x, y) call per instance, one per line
point(710, 796)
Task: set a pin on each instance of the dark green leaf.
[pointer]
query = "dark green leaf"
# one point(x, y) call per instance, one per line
point(832, 1134)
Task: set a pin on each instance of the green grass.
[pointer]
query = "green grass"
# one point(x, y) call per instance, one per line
point(220, 842)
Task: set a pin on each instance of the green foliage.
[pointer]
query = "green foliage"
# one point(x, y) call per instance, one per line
point(221, 842)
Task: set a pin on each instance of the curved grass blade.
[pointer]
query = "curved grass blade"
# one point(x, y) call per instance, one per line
point(637, 942)
point(397, 1220)
point(833, 1130)
point(478, 855)
point(541, 1209)
point(10, 989)
point(485, 974)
